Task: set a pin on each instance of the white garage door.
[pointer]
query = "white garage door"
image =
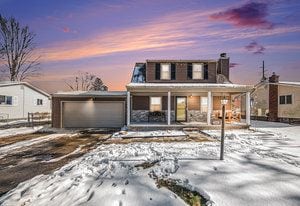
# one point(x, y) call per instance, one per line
point(93, 114)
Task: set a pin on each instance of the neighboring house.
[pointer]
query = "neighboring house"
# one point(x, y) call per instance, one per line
point(276, 100)
point(17, 99)
point(161, 93)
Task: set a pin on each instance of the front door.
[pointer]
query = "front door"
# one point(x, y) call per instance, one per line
point(181, 109)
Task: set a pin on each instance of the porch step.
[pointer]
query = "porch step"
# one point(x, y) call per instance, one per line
point(191, 129)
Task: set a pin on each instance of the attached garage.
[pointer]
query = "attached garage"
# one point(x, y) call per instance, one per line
point(95, 109)
point(93, 114)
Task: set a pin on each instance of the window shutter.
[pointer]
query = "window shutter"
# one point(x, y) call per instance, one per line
point(173, 71)
point(190, 71)
point(157, 71)
point(15, 101)
point(205, 71)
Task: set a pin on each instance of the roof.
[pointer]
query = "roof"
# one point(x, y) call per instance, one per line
point(10, 83)
point(91, 94)
point(290, 83)
point(181, 60)
point(188, 86)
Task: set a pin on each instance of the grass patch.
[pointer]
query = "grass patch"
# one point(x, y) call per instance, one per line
point(146, 165)
point(192, 198)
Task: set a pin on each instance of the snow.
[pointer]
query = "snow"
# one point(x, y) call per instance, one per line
point(290, 83)
point(157, 133)
point(187, 85)
point(21, 130)
point(258, 169)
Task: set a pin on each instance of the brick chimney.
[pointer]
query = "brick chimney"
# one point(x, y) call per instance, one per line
point(273, 97)
point(223, 65)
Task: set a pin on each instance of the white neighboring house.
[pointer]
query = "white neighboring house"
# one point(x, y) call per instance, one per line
point(19, 98)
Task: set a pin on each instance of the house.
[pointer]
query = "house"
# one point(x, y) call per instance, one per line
point(167, 93)
point(276, 100)
point(17, 99)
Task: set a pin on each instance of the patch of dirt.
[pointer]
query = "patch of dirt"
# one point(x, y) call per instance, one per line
point(44, 158)
point(191, 137)
point(192, 198)
point(146, 165)
point(21, 137)
point(25, 124)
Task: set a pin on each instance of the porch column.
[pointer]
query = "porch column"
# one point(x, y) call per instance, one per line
point(248, 109)
point(209, 107)
point(128, 108)
point(169, 107)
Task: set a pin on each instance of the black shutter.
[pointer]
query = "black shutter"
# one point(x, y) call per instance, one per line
point(157, 71)
point(173, 71)
point(190, 71)
point(205, 71)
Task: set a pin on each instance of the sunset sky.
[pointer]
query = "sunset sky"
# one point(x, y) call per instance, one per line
point(107, 37)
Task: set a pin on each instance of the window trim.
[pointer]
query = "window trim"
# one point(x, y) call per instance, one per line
point(151, 104)
point(285, 99)
point(5, 100)
point(41, 101)
point(161, 72)
point(202, 71)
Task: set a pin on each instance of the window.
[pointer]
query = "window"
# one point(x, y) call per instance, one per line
point(198, 71)
point(165, 71)
point(155, 104)
point(39, 102)
point(204, 104)
point(286, 99)
point(7, 100)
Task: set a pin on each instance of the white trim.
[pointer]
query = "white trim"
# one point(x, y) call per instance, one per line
point(128, 108)
point(248, 109)
point(169, 107)
point(209, 107)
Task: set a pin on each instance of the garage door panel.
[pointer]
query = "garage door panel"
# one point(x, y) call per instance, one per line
point(93, 114)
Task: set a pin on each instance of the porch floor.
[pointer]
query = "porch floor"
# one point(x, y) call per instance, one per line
point(182, 125)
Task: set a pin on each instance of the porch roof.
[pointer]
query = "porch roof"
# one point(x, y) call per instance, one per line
point(187, 87)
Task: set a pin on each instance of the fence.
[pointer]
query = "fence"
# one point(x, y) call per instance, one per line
point(38, 118)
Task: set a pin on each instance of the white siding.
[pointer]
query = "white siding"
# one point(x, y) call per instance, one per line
point(23, 101)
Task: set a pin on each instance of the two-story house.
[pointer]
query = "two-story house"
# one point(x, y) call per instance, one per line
point(161, 93)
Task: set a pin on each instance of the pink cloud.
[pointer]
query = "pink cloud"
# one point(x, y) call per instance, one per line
point(251, 14)
point(66, 29)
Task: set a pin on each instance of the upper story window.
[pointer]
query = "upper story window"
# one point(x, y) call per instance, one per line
point(155, 104)
point(198, 72)
point(6, 100)
point(286, 99)
point(165, 71)
point(39, 102)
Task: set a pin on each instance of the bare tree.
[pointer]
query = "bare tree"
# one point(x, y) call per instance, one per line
point(17, 50)
point(85, 81)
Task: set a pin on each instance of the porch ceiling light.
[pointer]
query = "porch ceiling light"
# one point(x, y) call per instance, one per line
point(224, 101)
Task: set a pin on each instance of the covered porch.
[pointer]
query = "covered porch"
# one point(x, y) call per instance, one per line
point(187, 105)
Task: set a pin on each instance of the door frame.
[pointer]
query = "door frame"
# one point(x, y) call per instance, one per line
point(185, 109)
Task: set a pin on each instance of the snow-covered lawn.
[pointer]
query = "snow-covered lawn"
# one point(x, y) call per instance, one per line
point(261, 167)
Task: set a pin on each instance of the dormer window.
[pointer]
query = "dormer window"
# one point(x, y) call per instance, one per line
point(198, 72)
point(165, 71)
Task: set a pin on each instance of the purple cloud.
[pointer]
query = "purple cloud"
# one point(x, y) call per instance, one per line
point(255, 48)
point(233, 65)
point(251, 14)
